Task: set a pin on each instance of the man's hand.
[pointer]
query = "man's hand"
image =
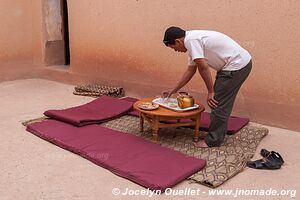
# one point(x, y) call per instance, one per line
point(167, 93)
point(188, 74)
point(211, 102)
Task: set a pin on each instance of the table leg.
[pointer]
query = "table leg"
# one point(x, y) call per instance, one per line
point(197, 126)
point(155, 129)
point(154, 135)
point(141, 123)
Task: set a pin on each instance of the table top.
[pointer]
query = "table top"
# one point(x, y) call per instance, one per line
point(161, 111)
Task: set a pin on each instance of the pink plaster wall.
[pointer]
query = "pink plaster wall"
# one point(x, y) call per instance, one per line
point(20, 39)
point(15, 36)
point(119, 43)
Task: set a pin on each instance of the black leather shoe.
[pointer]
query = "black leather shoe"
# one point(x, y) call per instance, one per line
point(275, 155)
point(270, 160)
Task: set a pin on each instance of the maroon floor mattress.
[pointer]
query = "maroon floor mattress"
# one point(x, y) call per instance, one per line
point(126, 155)
point(99, 110)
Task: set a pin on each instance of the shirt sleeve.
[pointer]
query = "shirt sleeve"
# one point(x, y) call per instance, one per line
point(190, 61)
point(195, 49)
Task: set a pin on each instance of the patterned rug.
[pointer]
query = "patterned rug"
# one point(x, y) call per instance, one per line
point(223, 162)
point(95, 90)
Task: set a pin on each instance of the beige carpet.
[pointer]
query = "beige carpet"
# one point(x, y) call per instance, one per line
point(223, 162)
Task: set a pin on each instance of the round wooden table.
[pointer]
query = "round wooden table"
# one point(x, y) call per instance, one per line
point(157, 117)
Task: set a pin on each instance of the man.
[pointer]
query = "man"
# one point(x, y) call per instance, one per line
point(211, 49)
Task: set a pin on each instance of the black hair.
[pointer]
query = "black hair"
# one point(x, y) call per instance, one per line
point(173, 33)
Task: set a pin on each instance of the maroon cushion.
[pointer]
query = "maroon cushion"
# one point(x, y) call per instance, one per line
point(234, 123)
point(131, 99)
point(126, 155)
point(233, 126)
point(99, 110)
point(132, 111)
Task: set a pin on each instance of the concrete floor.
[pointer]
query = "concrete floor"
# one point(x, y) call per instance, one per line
point(32, 168)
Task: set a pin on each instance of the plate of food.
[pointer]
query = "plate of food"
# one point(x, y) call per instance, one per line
point(148, 106)
point(171, 103)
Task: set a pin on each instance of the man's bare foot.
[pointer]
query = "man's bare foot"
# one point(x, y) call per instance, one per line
point(201, 144)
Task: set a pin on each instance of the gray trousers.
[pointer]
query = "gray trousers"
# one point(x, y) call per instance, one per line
point(226, 88)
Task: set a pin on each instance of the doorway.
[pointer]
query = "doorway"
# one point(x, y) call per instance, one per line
point(56, 33)
point(66, 31)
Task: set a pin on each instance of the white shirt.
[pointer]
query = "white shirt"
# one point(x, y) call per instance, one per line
point(220, 51)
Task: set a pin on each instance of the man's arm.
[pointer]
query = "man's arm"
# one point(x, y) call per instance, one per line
point(204, 71)
point(187, 76)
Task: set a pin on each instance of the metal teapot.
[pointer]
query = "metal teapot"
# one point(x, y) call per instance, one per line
point(185, 100)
